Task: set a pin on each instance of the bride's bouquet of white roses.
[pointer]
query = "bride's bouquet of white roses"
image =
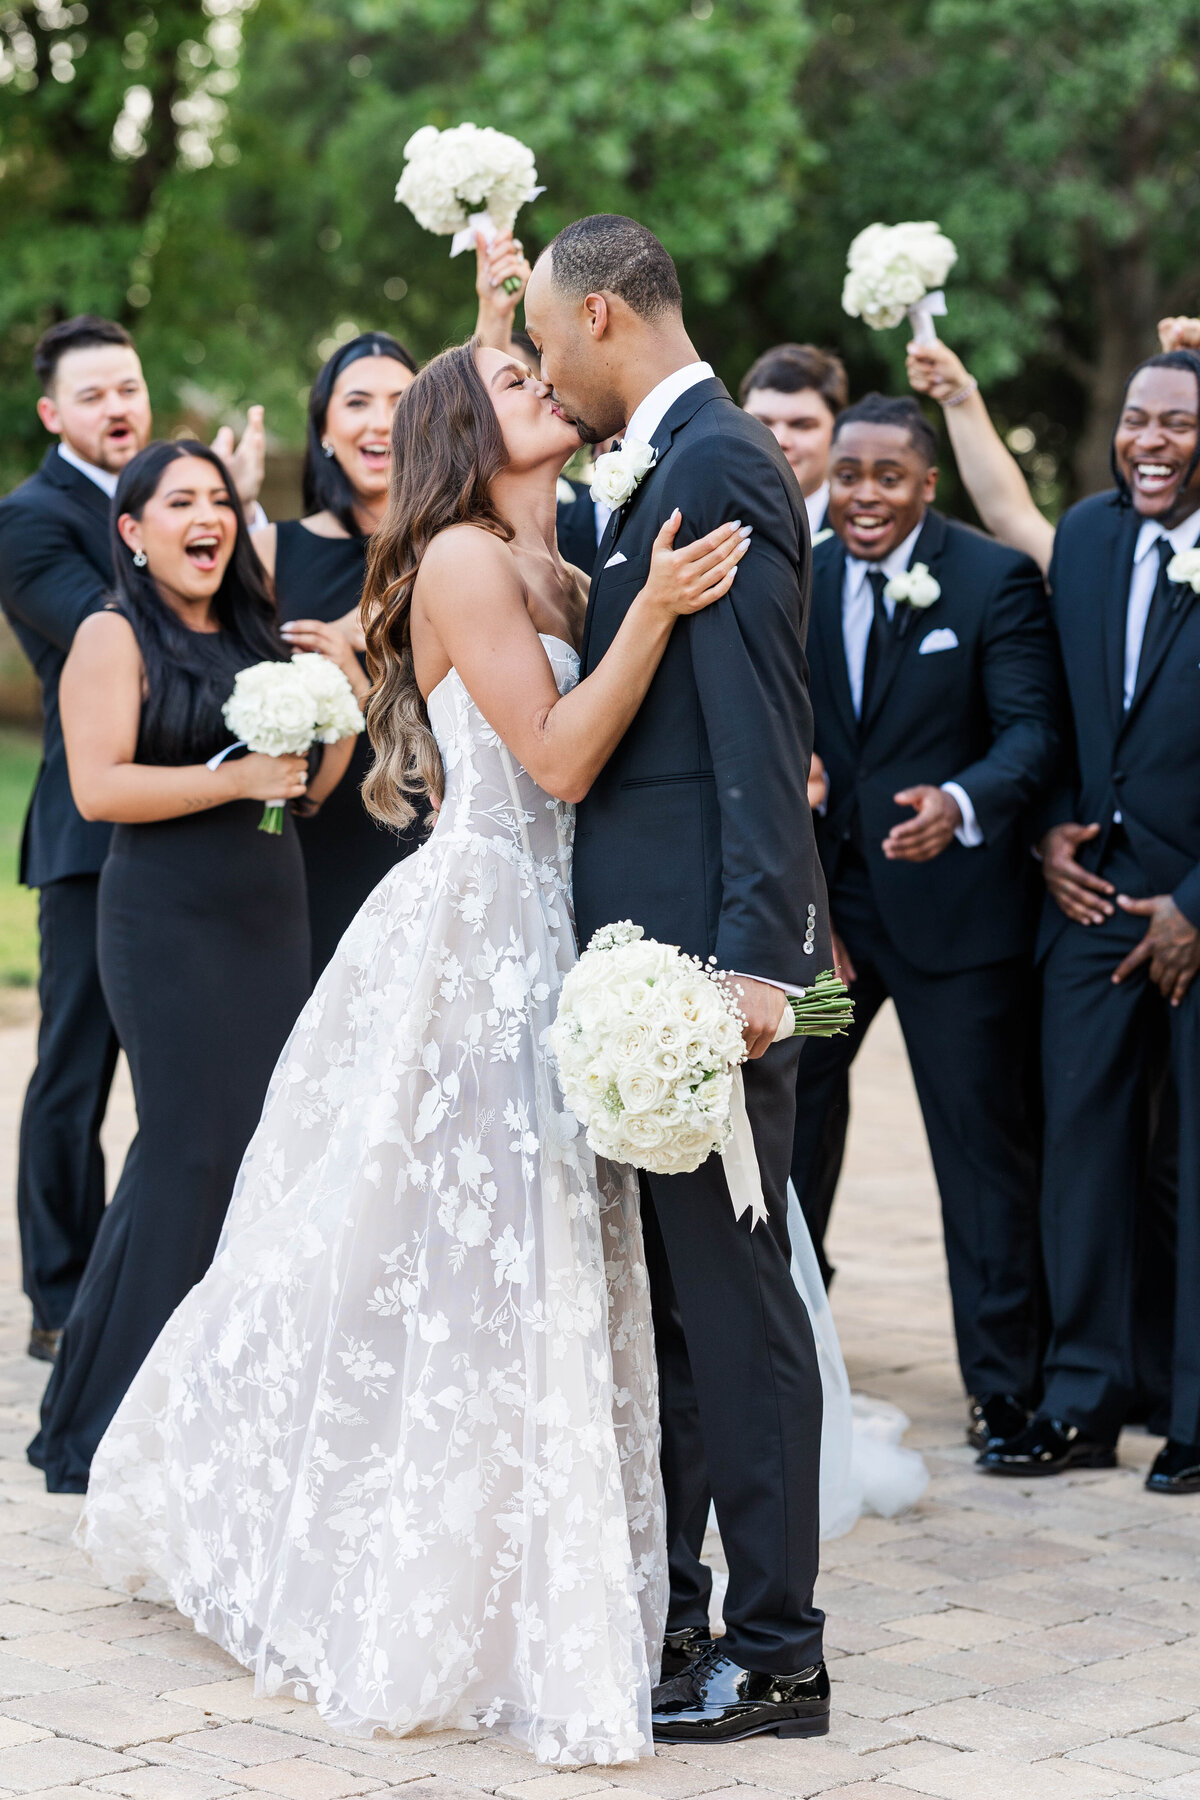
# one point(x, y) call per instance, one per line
point(895, 271)
point(446, 173)
point(283, 709)
point(647, 1041)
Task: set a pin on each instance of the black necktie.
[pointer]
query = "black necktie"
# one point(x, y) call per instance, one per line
point(1158, 619)
point(877, 637)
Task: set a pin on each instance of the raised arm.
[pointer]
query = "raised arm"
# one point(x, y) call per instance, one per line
point(469, 614)
point(494, 265)
point(100, 699)
point(990, 473)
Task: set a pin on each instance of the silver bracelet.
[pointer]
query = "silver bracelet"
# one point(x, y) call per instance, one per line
point(964, 393)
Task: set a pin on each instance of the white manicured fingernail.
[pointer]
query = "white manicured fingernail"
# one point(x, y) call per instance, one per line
point(746, 530)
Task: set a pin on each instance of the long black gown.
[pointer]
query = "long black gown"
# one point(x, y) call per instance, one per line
point(203, 948)
point(346, 852)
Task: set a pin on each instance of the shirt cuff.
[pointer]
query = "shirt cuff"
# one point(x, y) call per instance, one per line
point(968, 833)
point(785, 987)
point(256, 517)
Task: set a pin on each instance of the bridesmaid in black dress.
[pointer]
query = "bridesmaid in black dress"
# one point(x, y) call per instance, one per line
point(318, 563)
point(202, 926)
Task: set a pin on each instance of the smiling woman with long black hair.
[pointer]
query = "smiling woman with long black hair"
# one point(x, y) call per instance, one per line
point(318, 563)
point(202, 926)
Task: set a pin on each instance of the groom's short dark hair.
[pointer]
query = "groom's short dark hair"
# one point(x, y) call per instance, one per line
point(881, 409)
point(609, 254)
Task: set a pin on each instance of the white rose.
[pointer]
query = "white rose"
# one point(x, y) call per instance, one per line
point(1184, 567)
point(616, 474)
point(914, 587)
point(640, 1090)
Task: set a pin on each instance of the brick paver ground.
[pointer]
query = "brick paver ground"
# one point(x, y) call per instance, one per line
point(1001, 1642)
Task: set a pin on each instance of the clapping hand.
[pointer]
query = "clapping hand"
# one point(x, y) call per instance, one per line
point(1171, 946)
point(246, 460)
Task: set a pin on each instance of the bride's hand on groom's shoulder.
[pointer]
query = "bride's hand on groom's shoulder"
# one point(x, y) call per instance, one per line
point(687, 580)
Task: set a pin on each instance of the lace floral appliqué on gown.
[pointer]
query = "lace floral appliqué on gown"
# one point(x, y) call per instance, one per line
point(397, 1452)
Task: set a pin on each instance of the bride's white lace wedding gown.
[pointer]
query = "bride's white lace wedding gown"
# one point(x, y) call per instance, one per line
point(397, 1452)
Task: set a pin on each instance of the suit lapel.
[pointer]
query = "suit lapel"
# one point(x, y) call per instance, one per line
point(59, 472)
point(828, 582)
point(1158, 655)
point(898, 645)
point(1116, 607)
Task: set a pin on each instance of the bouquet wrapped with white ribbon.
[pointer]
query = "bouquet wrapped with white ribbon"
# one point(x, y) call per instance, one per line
point(648, 1043)
point(447, 173)
point(897, 271)
point(283, 709)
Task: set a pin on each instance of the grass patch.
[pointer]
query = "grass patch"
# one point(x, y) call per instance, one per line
point(20, 753)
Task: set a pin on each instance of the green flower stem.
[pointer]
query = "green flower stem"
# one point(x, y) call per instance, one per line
point(823, 1010)
point(272, 818)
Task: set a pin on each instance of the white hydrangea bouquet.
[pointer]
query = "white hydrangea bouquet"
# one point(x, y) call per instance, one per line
point(283, 709)
point(647, 1042)
point(447, 173)
point(894, 271)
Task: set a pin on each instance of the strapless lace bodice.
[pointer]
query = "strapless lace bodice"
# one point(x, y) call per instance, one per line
point(489, 796)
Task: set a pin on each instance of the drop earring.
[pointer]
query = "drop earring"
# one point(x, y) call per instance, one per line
point(327, 447)
point(140, 559)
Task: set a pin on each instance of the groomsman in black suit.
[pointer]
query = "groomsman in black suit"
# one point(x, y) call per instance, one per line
point(55, 568)
point(1120, 938)
point(935, 696)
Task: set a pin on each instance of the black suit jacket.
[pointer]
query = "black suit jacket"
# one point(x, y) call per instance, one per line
point(699, 828)
point(577, 529)
point(55, 568)
point(983, 713)
point(1144, 763)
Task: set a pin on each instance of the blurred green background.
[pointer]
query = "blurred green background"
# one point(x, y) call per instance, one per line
point(219, 175)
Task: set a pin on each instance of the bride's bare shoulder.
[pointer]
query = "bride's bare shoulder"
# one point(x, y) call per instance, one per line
point(465, 552)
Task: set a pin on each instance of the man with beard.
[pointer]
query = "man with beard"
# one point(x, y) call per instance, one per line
point(55, 569)
point(1120, 938)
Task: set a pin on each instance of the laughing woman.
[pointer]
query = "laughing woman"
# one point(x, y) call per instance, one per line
point(318, 563)
point(202, 928)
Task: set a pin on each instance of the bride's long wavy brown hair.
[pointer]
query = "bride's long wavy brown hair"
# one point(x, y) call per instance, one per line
point(447, 449)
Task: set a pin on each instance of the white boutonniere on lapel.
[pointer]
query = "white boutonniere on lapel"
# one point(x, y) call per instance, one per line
point(821, 537)
point(1184, 569)
point(617, 475)
point(913, 588)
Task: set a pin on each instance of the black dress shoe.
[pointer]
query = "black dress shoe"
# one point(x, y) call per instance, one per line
point(1046, 1447)
point(1176, 1469)
point(43, 1345)
point(681, 1648)
point(716, 1701)
point(995, 1416)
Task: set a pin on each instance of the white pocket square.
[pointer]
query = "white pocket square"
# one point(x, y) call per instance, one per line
point(616, 557)
point(941, 639)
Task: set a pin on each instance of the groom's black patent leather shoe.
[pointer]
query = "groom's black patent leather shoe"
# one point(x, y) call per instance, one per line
point(995, 1416)
point(681, 1649)
point(1046, 1447)
point(716, 1701)
point(1176, 1469)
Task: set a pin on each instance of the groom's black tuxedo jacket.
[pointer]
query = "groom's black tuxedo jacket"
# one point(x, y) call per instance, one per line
point(699, 828)
point(55, 568)
point(1144, 763)
point(982, 711)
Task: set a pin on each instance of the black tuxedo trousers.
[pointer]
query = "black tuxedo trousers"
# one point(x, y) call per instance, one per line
point(1103, 1047)
point(737, 1370)
point(969, 1034)
point(60, 1167)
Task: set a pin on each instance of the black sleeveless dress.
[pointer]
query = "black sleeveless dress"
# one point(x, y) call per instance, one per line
point(204, 955)
point(346, 853)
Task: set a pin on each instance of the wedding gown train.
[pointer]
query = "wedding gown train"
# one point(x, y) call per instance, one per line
point(398, 1450)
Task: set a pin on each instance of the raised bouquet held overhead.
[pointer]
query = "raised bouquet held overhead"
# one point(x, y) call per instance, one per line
point(467, 179)
point(897, 271)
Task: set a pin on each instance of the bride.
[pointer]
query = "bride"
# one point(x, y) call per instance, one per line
point(397, 1451)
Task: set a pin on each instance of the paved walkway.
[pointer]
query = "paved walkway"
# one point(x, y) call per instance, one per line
point(999, 1643)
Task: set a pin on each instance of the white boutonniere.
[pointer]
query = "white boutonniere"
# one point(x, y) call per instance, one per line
point(564, 493)
point(819, 537)
point(1184, 568)
point(616, 475)
point(914, 587)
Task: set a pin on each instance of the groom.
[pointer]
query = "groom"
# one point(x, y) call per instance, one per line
point(699, 830)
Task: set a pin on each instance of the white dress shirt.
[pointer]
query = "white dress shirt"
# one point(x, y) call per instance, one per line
point(1143, 583)
point(858, 613)
point(104, 479)
point(649, 415)
point(816, 505)
point(603, 513)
